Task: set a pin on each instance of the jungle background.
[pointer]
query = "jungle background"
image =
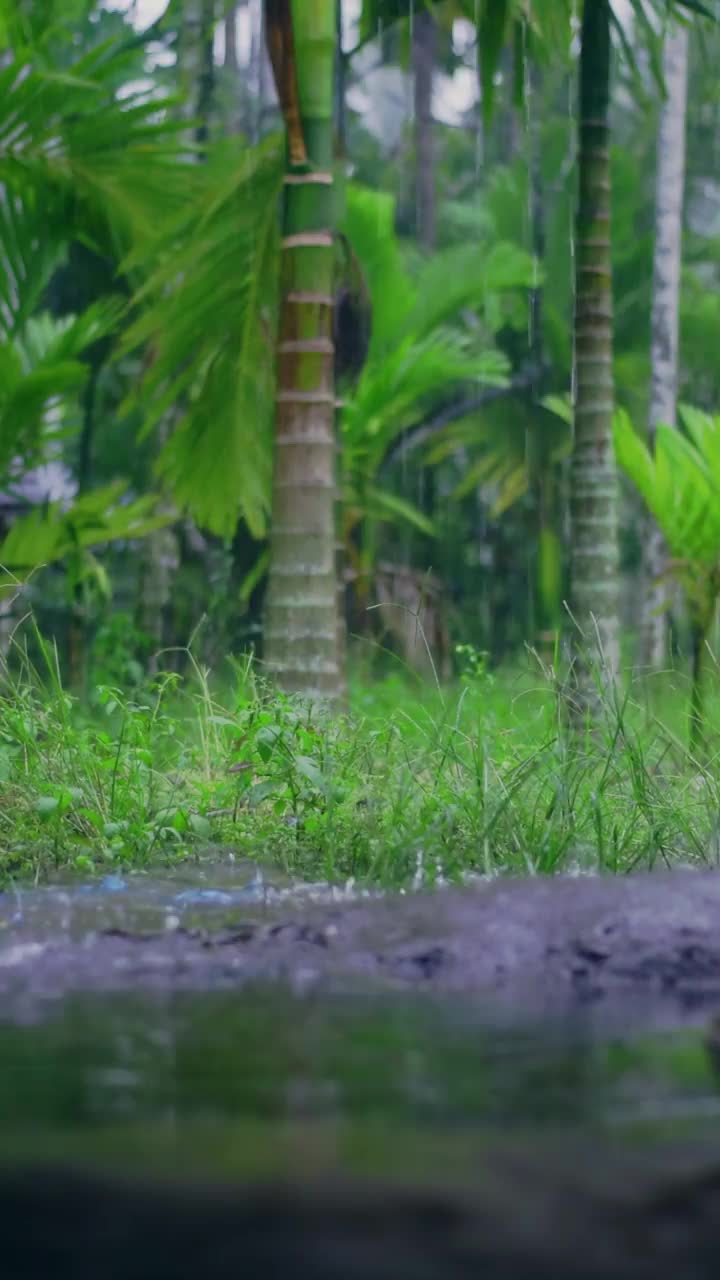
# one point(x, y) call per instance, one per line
point(456, 474)
point(517, 407)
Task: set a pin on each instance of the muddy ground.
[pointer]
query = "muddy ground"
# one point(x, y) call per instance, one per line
point(538, 944)
point(641, 948)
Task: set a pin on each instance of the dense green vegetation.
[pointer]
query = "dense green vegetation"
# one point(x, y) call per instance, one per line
point(414, 785)
point(358, 435)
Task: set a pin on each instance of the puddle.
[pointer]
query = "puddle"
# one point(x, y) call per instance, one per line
point(267, 1081)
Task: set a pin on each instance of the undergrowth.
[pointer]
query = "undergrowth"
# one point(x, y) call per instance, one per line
point(413, 785)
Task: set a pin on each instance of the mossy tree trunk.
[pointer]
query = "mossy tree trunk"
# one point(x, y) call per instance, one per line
point(593, 476)
point(301, 622)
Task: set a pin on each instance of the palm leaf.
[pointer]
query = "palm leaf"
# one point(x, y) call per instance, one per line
point(383, 505)
point(98, 166)
point(42, 368)
point(47, 535)
point(208, 315)
point(678, 487)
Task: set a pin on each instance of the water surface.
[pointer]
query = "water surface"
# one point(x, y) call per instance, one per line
point(267, 1081)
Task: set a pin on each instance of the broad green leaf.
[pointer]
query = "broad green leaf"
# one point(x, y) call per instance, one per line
point(309, 770)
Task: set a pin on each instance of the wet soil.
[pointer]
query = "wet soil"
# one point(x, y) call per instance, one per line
point(542, 945)
point(619, 953)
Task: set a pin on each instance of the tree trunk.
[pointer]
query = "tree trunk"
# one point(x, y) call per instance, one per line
point(230, 59)
point(593, 477)
point(206, 81)
point(544, 472)
point(196, 64)
point(669, 192)
point(424, 49)
point(301, 622)
point(190, 55)
point(159, 565)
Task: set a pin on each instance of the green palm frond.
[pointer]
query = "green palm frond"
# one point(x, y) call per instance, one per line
point(542, 30)
point(31, 249)
point(369, 225)
point(391, 392)
point(381, 505)
point(507, 444)
point(207, 312)
point(680, 483)
point(416, 359)
point(93, 164)
point(471, 276)
point(76, 163)
point(43, 368)
point(417, 305)
point(48, 534)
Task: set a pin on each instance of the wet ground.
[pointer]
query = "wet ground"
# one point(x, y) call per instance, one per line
point(649, 941)
point(203, 1074)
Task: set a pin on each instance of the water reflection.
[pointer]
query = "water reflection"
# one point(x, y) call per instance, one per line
point(267, 1080)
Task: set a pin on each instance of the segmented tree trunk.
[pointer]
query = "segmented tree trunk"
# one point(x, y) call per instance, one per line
point(593, 477)
point(424, 46)
point(669, 192)
point(301, 622)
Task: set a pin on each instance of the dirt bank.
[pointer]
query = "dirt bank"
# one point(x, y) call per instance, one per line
point(534, 943)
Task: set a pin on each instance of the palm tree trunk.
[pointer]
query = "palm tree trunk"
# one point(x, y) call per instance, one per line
point(206, 80)
point(593, 477)
point(424, 46)
point(301, 622)
point(230, 59)
point(669, 192)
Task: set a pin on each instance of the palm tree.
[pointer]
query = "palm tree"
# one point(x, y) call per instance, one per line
point(301, 623)
point(669, 192)
point(593, 496)
point(593, 503)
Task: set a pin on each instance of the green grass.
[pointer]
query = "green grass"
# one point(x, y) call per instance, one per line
point(414, 782)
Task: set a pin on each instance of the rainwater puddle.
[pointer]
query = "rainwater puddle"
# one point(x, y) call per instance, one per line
point(264, 1082)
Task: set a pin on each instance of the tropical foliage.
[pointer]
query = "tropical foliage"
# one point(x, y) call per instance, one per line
point(680, 484)
point(140, 296)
